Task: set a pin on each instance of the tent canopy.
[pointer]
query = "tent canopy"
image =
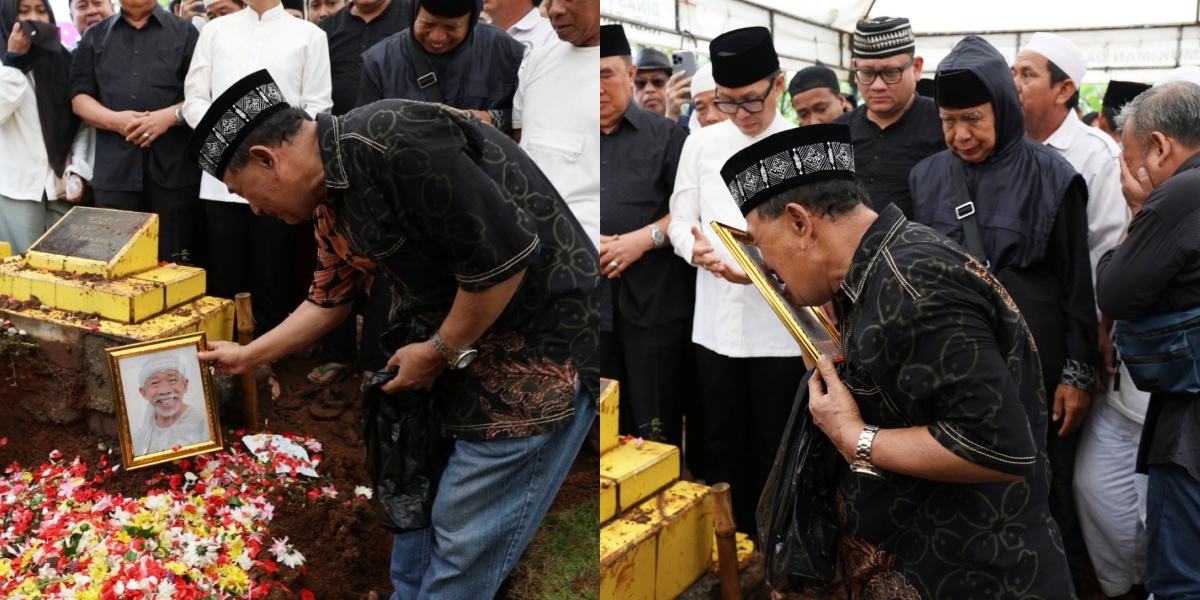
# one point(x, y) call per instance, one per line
point(1121, 40)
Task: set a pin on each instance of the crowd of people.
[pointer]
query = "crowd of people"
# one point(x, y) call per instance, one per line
point(974, 240)
point(234, 121)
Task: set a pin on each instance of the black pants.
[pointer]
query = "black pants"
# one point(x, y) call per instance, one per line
point(1061, 454)
point(746, 403)
point(251, 253)
point(657, 371)
point(178, 213)
point(341, 344)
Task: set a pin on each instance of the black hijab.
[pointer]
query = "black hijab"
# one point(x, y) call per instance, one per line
point(51, 66)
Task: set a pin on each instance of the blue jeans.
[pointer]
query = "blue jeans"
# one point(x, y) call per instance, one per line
point(1172, 533)
point(490, 501)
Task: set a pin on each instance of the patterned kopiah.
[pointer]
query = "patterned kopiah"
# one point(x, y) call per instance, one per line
point(931, 343)
point(777, 169)
point(225, 133)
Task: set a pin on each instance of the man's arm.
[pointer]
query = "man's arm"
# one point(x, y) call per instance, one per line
point(307, 324)
point(316, 84)
point(471, 314)
point(1071, 264)
point(911, 451)
point(197, 85)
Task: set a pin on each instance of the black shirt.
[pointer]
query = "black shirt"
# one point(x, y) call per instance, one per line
point(638, 161)
point(434, 200)
point(125, 68)
point(1156, 271)
point(883, 157)
point(932, 340)
point(350, 36)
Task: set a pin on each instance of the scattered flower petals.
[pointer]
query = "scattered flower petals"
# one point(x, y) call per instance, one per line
point(363, 491)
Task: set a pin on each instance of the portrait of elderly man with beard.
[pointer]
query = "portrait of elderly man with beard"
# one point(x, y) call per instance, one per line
point(169, 421)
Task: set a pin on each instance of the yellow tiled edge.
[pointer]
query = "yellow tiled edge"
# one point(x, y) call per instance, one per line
point(608, 499)
point(609, 400)
point(181, 283)
point(685, 540)
point(628, 557)
point(639, 472)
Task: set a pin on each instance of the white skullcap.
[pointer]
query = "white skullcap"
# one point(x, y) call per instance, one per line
point(702, 81)
point(158, 364)
point(1060, 51)
point(208, 3)
point(1185, 73)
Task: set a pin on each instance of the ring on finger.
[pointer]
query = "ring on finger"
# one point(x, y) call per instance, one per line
point(614, 264)
point(146, 136)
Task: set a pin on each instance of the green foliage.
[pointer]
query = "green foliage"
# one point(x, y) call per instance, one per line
point(1091, 97)
point(563, 560)
point(14, 343)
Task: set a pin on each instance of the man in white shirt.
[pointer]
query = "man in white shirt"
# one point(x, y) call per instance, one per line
point(1048, 72)
point(521, 19)
point(554, 112)
point(749, 364)
point(248, 252)
point(169, 421)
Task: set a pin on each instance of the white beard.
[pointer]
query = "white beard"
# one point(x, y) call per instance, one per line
point(168, 413)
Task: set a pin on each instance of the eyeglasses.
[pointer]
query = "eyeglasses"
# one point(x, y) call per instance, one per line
point(890, 76)
point(660, 81)
point(752, 106)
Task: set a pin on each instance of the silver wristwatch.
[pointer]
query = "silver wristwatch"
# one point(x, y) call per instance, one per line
point(656, 234)
point(179, 114)
point(456, 358)
point(862, 455)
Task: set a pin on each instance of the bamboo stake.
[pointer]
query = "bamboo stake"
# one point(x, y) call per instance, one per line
point(727, 560)
point(245, 334)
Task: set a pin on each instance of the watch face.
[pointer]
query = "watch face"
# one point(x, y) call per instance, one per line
point(465, 359)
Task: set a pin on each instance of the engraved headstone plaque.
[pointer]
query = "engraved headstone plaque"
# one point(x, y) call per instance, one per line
point(92, 233)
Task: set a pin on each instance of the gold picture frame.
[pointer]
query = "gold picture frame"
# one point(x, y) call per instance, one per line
point(171, 371)
point(809, 325)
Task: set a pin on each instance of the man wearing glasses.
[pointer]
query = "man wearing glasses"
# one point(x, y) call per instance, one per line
point(749, 365)
point(893, 128)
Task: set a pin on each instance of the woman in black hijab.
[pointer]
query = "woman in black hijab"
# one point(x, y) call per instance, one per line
point(37, 125)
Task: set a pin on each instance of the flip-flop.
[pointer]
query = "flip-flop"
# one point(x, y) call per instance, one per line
point(322, 373)
point(329, 405)
point(295, 399)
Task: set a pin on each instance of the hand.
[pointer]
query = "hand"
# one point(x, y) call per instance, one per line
point(830, 313)
point(1135, 188)
point(678, 94)
point(418, 366)
point(834, 409)
point(1107, 368)
point(1070, 407)
point(144, 130)
point(74, 185)
point(482, 116)
point(193, 8)
point(704, 256)
point(623, 250)
point(18, 42)
point(228, 358)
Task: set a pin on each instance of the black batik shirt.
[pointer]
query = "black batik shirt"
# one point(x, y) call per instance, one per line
point(435, 200)
point(883, 157)
point(350, 36)
point(125, 68)
point(932, 340)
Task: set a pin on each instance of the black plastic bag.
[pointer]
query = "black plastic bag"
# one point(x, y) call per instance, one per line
point(797, 526)
point(405, 451)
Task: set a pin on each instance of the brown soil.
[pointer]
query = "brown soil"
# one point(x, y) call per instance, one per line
point(347, 552)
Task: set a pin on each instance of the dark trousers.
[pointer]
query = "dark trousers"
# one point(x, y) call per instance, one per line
point(1061, 453)
point(1172, 533)
point(251, 253)
point(178, 213)
point(657, 371)
point(746, 403)
point(341, 345)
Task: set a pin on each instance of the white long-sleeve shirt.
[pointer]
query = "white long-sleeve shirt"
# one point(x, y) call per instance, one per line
point(730, 319)
point(25, 172)
point(1094, 155)
point(294, 51)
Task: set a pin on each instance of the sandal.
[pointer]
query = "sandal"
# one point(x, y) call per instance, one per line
point(329, 373)
point(330, 405)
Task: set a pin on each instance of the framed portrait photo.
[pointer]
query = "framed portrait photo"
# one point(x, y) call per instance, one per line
point(808, 324)
point(164, 400)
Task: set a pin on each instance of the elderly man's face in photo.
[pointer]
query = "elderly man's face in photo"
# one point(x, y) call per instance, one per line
point(164, 391)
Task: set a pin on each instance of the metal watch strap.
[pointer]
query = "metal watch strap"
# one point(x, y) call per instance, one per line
point(439, 344)
point(657, 236)
point(862, 455)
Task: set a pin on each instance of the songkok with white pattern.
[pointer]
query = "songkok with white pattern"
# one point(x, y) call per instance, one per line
point(788, 160)
point(231, 117)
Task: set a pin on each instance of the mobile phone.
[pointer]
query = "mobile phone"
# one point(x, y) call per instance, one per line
point(684, 61)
